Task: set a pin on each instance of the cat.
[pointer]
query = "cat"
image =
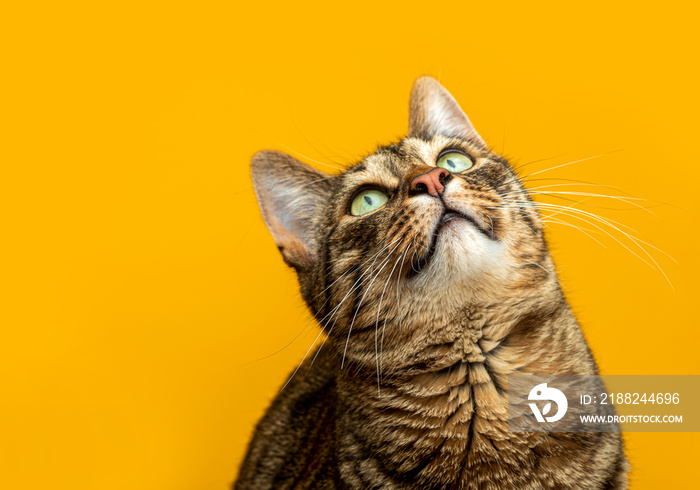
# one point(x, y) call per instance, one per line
point(427, 267)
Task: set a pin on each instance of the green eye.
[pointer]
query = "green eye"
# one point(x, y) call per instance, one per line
point(455, 162)
point(367, 201)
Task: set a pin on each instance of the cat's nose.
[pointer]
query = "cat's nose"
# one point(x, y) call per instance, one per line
point(432, 182)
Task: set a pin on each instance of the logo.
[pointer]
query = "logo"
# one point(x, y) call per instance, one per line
point(542, 392)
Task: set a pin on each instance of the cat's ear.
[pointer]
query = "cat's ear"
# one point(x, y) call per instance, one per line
point(291, 196)
point(432, 111)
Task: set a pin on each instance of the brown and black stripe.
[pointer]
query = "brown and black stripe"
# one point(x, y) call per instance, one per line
point(428, 303)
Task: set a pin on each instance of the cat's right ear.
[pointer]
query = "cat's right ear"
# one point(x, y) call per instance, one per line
point(291, 196)
point(433, 110)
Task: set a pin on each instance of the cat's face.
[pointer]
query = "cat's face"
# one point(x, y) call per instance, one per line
point(410, 234)
point(448, 226)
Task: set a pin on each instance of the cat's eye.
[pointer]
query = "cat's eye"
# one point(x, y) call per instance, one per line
point(368, 201)
point(454, 161)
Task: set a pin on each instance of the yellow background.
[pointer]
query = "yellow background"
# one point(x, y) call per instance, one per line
point(139, 283)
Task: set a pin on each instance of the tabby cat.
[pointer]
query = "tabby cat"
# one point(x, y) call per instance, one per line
point(427, 267)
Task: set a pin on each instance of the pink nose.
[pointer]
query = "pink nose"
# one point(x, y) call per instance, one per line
point(432, 182)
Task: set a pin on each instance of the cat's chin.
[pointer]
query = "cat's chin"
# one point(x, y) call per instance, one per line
point(462, 253)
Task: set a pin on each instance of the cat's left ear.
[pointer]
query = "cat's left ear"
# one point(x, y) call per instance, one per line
point(292, 196)
point(433, 111)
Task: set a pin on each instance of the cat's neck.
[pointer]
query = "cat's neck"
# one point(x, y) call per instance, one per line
point(526, 334)
point(442, 396)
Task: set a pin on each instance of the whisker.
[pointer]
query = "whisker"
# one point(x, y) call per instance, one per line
point(309, 158)
point(540, 266)
point(518, 167)
point(398, 308)
point(562, 222)
point(557, 194)
point(587, 217)
point(526, 178)
point(321, 309)
point(376, 323)
point(571, 163)
point(357, 310)
point(331, 314)
point(607, 221)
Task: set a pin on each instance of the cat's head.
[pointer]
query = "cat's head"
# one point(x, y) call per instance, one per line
point(412, 232)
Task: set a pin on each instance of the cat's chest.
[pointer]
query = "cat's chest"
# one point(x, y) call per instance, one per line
point(471, 386)
point(438, 423)
point(455, 401)
point(468, 345)
point(465, 379)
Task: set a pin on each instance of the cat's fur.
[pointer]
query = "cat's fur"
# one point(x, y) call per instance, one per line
point(423, 328)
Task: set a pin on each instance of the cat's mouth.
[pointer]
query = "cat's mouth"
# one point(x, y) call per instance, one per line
point(448, 216)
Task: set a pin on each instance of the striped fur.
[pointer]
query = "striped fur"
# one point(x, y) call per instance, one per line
point(423, 327)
